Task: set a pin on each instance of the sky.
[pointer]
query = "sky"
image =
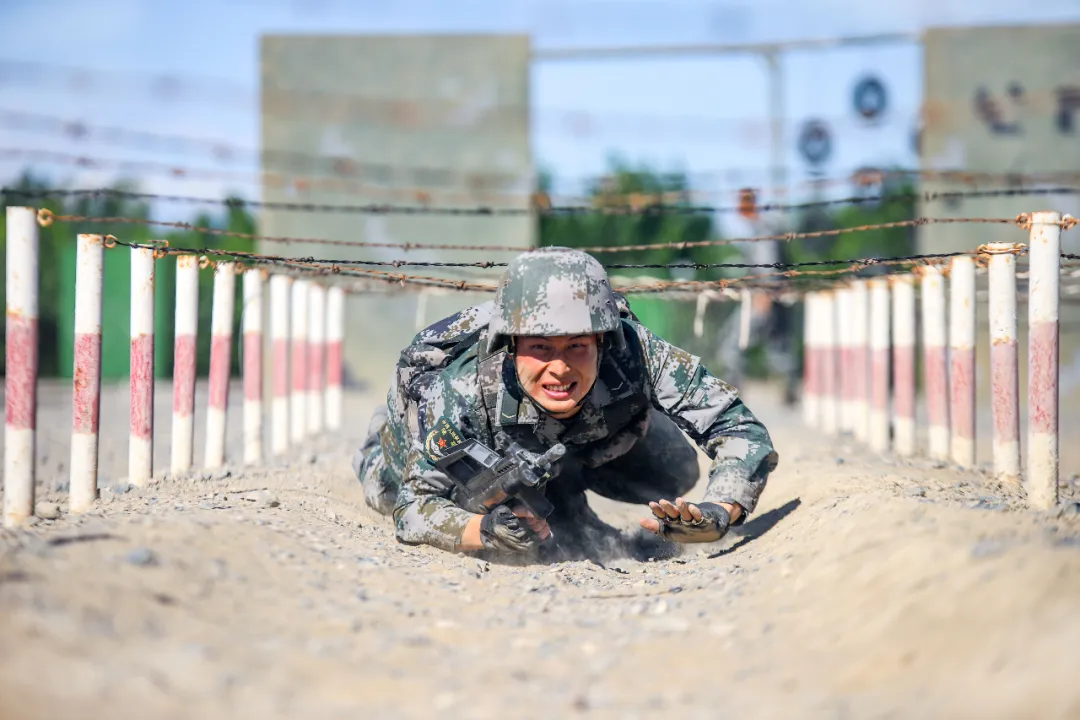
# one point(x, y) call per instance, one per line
point(92, 60)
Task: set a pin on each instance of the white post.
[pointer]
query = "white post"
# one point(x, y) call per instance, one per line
point(1004, 365)
point(141, 431)
point(86, 400)
point(1044, 296)
point(184, 346)
point(253, 376)
point(316, 358)
point(860, 409)
point(335, 335)
point(879, 364)
point(935, 360)
point(811, 408)
point(962, 360)
point(21, 366)
point(903, 341)
point(298, 403)
point(830, 399)
point(280, 287)
point(221, 331)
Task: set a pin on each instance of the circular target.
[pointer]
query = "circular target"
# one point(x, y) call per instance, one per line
point(815, 142)
point(870, 98)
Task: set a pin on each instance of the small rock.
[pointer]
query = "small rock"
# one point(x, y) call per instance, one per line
point(917, 492)
point(47, 510)
point(839, 461)
point(141, 556)
point(483, 566)
point(987, 548)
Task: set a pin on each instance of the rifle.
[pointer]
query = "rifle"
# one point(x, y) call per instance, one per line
point(481, 475)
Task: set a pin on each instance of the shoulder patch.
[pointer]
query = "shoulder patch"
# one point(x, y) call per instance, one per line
point(442, 437)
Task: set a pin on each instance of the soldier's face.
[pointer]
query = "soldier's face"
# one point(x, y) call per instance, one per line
point(558, 371)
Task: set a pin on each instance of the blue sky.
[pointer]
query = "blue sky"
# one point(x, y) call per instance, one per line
point(699, 114)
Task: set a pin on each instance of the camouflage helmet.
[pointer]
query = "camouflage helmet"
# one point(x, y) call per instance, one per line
point(553, 291)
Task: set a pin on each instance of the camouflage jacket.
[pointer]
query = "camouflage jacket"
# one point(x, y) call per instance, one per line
point(473, 395)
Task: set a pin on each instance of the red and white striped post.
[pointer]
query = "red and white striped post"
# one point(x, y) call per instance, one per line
point(1004, 365)
point(844, 337)
point(903, 342)
point(86, 403)
point(860, 405)
point(935, 360)
point(21, 368)
point(335, 335)
point(1044, 296)
point(810, 405)
point(253, 376)
point(879, 364)
point(962, 360)
point(830, 395)
point(280, 288)
point(186, 329)
point(221, 331)
point(316, 358)
point(141, 431)
point(298, 401)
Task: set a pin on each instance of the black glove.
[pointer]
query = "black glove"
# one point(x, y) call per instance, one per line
point(712, 526)
point(502, 530)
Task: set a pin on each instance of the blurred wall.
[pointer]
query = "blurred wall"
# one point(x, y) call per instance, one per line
point(1006, 100)
point(439, 119)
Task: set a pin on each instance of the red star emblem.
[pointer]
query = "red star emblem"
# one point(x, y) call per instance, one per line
point(442, 442)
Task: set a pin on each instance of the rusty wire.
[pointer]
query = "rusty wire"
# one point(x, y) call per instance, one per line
point(330, 268)
point(643, 204)
point(47, 217)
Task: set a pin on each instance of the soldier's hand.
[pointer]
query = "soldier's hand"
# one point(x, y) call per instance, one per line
point(688, 522)
point(501, 529)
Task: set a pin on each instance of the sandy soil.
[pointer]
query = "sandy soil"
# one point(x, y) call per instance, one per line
point(862, 588)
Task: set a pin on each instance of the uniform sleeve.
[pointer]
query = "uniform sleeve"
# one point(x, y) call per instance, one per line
point(424, 513)
point(711, 413)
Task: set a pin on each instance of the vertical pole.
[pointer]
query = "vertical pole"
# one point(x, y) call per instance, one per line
point(962, 360)
point(746, 309)
point(280, 287)
point(253, 376)
point(846, 366)
point(316, 358)
point(1044, 251)
point(186, 328)
point(298, 405)
point(141, 440)
point(903, 341)
point(1004, 365)
point(21, 366)
point(811, 409)
point(935, 361)
point(86, 402)
point(830, 408)
point(221, 330)
point(860, 408)
point(879, 364)
point(335, 334)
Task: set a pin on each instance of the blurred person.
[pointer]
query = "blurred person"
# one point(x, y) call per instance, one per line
point(558, 357)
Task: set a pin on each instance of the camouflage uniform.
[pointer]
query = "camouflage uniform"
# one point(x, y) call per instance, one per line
point(624, 443)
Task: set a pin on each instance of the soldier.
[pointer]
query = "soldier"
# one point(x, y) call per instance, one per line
point(559, 358)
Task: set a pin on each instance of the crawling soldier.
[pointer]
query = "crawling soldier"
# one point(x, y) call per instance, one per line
point(558, 357)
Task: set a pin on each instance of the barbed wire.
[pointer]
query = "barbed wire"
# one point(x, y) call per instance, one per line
point(47, 217)
point(641, 203)
point(334, 268)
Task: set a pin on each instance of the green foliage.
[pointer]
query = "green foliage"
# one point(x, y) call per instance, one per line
point(57, 248)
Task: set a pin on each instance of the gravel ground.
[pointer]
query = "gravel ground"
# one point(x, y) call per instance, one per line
point(862, 587)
